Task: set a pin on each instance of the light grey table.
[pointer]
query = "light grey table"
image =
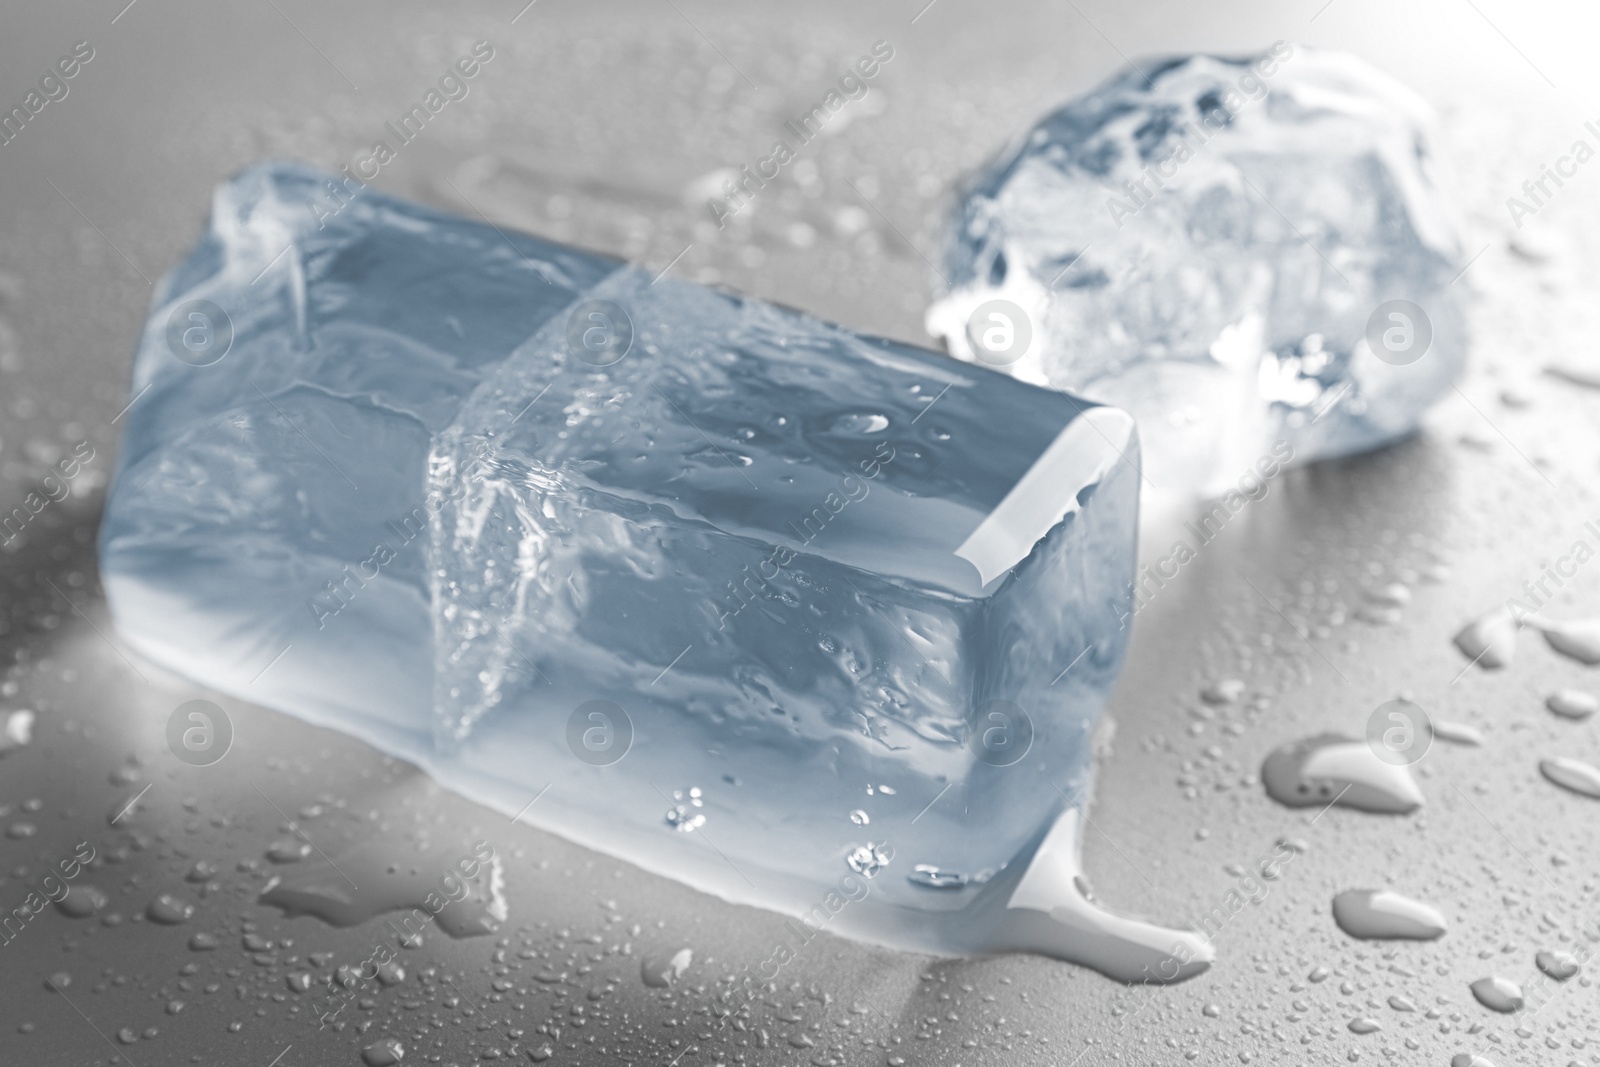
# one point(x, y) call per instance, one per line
point(604, 127)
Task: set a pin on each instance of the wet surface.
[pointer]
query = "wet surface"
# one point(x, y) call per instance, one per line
point(606, 132)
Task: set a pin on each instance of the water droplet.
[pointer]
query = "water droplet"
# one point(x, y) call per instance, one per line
point(1212, 1011)
point(1393, 595)
point(1490, 640)
point(660, 972)
point(1579, 640)
point(931, 877)
point(1572, 774)
point(1318, 974)
point(1331, 768)
point(123, 810)
point(1385, 915)
point(1224, 691)
point(1558, 965)
point(1399, 1003)
point(868, 859)
point(1365, 1026)
point(1378, 616)
point(1498, 994)
point(20, 830)
point(18, 730)
point(395, 877)
point(391, 973)
point(126, 1036)
point(540, 1054)
point(169, 910)
point(175, 1006)
point(1514, 396)
point(202, 871)
point(1457, 733)
point(59, 980)
point(298, 982)
point(385, 1053)
point(81, 902)
point(288, 850)
point(202, 943)
point(1467, 1059)
point(1572, 703)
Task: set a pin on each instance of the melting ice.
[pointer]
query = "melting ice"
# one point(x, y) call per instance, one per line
point(556, 530)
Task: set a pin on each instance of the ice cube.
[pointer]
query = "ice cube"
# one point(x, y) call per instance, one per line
point(685, 577)
point(1239, 251)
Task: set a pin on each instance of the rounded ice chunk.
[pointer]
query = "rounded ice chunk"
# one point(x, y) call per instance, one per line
point(1239, 251)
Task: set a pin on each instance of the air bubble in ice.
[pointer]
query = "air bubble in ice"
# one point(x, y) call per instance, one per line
point(684, 815)
point(926, 874)
point(868, 859)
point(856, 424)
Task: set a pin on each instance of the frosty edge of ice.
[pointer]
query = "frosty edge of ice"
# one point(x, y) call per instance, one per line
point(747, 599)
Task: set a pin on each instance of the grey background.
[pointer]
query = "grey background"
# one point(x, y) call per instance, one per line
point(593, 125)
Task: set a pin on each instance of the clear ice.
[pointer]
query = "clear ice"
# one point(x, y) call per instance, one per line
point(691, 579)
point(1217, 250)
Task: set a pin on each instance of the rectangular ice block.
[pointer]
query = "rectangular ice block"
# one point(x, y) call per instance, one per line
point(755, 600)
